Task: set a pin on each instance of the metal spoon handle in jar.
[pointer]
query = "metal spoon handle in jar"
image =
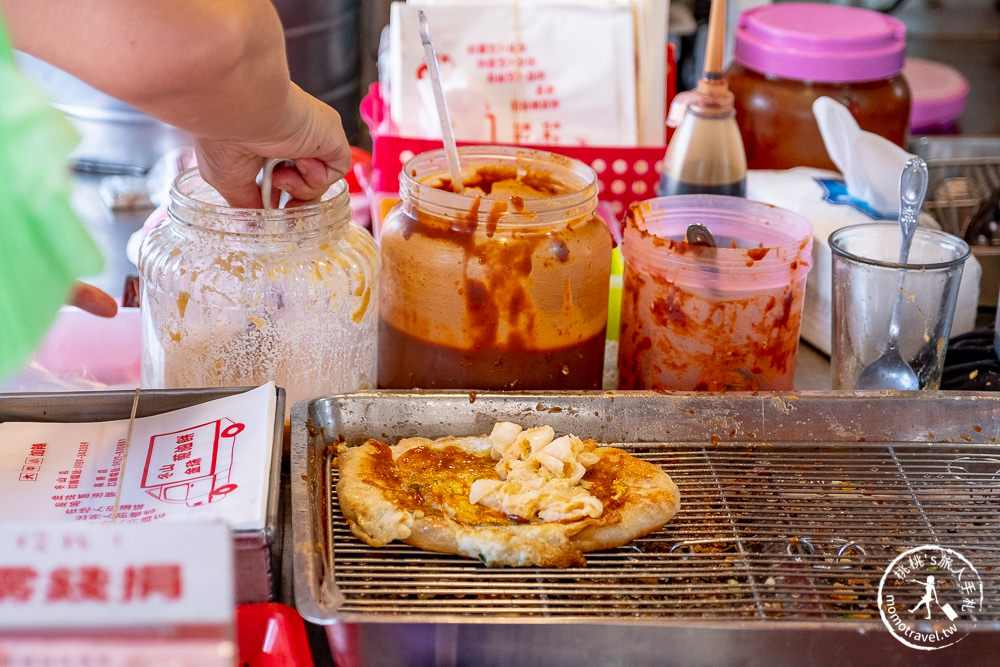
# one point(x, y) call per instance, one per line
point(912, 190)
point(267, 179)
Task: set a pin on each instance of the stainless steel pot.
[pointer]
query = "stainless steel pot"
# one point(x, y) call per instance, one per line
point(322, 44)
point(322, 41)
point(114, 137)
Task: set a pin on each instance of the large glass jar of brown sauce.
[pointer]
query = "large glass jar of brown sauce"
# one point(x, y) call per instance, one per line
point(789, 54)
point(502, 287)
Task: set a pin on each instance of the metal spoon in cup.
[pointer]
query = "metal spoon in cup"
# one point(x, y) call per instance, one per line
point(890, 370)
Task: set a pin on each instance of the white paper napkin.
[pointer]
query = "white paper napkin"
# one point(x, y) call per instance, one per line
point(871, 165)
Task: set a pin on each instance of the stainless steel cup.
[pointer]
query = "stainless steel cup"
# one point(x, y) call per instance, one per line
point(865, 284)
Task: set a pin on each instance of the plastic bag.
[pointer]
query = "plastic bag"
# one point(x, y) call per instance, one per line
point(43, 245)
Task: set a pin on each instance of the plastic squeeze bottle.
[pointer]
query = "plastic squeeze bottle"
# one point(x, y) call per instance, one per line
point(706, 154)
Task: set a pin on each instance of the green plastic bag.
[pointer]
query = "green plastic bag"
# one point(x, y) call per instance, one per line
point(43, 245)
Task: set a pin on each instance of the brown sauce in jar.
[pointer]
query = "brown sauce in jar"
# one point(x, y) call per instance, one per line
point(406, 361)
point(499, 336)
point(779, 129)
point(788, 55)
point(533, 183)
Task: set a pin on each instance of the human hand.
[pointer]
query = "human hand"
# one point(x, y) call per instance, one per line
point(311, 134)
point(91, 299)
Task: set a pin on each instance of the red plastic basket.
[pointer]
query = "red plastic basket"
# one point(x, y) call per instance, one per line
point(271, 635)
point(625, 174)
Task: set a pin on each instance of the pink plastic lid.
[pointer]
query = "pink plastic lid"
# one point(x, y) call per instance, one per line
point(938, 92)
point(818, 42)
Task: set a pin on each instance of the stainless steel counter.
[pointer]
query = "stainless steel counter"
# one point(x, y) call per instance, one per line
point(797, 500)
point(812, 368)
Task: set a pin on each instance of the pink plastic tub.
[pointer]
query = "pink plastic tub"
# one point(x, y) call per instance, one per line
point(715, 319)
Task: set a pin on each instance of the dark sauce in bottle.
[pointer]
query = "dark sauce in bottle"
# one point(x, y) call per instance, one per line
point(671, 186)
point(705, 154)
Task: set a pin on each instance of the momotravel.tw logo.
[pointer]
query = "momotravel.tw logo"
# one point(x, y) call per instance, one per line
point(929, 597)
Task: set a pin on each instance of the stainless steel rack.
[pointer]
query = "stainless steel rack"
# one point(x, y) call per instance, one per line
point(792, 509)
point(964, 174)
point(957, 190)
point(765, 532)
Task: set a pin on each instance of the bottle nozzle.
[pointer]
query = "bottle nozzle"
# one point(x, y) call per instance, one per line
point(713, 94)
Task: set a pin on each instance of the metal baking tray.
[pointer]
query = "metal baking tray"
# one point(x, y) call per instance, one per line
point(792, 508)
point(256, 553)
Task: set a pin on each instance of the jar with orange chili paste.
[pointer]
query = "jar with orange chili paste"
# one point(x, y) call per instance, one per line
point(712, 318)
point(504, 286)
point(789, 54)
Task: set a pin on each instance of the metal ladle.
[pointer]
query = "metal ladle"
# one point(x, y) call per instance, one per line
point(890, 370)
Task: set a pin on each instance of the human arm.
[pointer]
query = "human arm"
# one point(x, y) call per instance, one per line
point(214, 68)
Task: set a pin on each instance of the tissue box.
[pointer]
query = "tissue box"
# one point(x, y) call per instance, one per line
point(822, 198)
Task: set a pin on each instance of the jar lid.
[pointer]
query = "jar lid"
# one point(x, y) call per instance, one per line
point(818, 42)
point(938, 93)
